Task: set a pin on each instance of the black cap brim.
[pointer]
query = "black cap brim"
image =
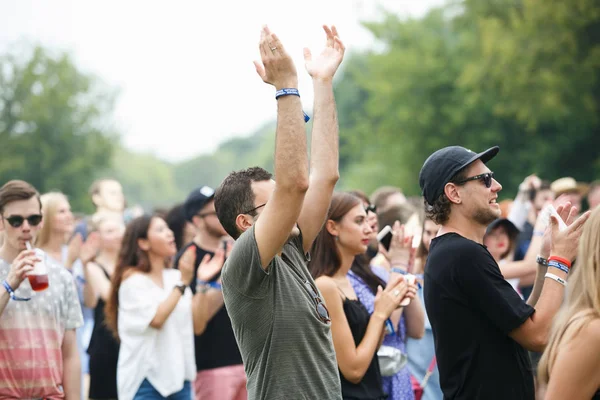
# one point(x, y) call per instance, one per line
point(484, 156)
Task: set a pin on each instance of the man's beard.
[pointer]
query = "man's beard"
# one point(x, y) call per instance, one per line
point(485, 216)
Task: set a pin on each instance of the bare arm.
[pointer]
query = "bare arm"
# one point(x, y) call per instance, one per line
point(97, 285)
point(353, 360)
point(533, 333)
point(537, 286)
point(71, 378)
point(4, 299)
point(415, 319)
point(20, 267)
point(574, 374)
point(324, 149)
point(281, 213)
point(205, 306)
point(165, 309)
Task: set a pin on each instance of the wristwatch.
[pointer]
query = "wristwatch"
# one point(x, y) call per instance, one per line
point(181, 287)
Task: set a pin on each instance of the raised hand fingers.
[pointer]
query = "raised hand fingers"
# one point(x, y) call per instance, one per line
point(572, 215)
point(329, 34)
point(579, 222)
point(564, 214)
point(261, 43)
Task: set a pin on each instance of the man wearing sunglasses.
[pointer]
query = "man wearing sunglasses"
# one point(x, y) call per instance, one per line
point(481, 326)
point(37, 329)
point(279, 319)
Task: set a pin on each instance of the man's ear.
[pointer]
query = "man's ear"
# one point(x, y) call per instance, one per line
point(243, 222)
point(452, 192)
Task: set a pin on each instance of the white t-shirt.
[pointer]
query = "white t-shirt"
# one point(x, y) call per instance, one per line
point(164, 356)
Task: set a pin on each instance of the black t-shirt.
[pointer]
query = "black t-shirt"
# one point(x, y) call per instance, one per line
point(472, 309)
point(216, 347)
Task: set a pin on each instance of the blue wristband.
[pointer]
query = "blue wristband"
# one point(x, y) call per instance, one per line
point(399, 271)
point(213, 284)
point(293, 92)
point(12, 294)
point(559, 265)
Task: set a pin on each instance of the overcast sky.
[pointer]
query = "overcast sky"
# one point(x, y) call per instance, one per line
point(184, 68)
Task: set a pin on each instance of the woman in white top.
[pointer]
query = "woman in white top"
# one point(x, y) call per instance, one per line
point(151, 309)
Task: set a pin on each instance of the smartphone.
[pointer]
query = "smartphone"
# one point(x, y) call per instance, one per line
point(385, 236)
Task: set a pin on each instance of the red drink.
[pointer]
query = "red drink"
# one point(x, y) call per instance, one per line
point(38, 282)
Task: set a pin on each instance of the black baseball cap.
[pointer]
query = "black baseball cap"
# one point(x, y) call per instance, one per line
point(196, 200)
point(442, 165)
point(511, 229)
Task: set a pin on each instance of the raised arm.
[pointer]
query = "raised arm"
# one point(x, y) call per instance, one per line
point(533, 333)
point(280, 215)
point(324, 146)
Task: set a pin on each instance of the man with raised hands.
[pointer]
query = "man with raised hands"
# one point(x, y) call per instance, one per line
point(279, 319)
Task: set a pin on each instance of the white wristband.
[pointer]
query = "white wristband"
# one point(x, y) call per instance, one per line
point(556, 278)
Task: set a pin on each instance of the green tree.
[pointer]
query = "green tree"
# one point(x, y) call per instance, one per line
point(54, 127)
point(475, 73)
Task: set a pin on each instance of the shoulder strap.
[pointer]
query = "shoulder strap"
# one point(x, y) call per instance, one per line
point(429, 372)
point(344, 297)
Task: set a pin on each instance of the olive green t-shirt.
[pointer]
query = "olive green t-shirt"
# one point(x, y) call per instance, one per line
point(286, 348)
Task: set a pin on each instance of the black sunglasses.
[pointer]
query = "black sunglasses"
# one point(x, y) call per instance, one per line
point(486, 178)
point(371, 208)
point(16, 220)
point(320, 306)
point(254, 209)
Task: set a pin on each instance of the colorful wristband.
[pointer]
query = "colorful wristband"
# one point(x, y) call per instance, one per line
point(561, 260)
point(399, 271)
point(542, 261)
point(556, 278)
point(213, 285)
point(288, 92)
point(556, 264)
point(12, 294)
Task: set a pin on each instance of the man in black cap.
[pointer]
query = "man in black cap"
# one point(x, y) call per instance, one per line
point(480, 324)
point(218, 360)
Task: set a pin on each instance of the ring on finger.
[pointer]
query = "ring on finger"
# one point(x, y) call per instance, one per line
point(396, 293)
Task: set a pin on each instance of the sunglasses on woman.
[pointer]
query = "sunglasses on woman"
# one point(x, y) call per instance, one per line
point(17, 220)
point(486, 178)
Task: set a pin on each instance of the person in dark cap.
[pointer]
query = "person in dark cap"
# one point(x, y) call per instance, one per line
point(218, 360)
point(481, 326)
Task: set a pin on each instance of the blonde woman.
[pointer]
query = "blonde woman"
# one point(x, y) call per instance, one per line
point(103, 349)
point(570, 364)
point(57, 228)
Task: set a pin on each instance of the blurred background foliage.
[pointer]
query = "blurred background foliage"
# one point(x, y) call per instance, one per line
point(521, 74)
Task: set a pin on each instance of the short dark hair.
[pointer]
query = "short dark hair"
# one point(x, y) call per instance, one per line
point(16, 190)
point(381, 195)
point(397, 212)
point(439, 211)
point(235, 195)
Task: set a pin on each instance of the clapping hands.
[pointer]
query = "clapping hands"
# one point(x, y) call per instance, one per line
point(323, 66)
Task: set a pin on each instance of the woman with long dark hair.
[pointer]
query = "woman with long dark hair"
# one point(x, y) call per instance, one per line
point(356, 334)
point(151, 310)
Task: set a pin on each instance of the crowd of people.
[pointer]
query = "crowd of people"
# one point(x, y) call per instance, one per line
point(269, 288)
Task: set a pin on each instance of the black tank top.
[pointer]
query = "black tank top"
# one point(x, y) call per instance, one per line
point(370, 387)
point(104, 355)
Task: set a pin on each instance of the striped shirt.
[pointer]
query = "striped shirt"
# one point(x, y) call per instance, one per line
point(31, 335)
